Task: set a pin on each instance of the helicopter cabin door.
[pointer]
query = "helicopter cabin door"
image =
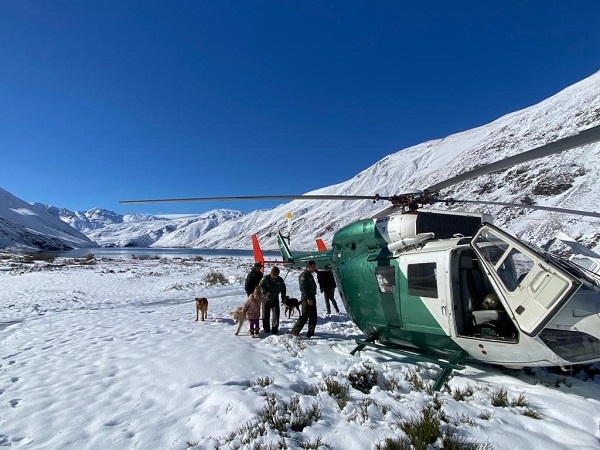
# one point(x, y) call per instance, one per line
point(533, 286)
point(423, 293)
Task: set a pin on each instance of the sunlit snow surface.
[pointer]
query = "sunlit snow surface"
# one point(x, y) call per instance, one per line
point(108, 355)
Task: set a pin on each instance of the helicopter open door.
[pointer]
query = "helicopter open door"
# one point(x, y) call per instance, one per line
point(533, 287)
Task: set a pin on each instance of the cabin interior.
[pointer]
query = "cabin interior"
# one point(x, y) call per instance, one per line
point(477, 315)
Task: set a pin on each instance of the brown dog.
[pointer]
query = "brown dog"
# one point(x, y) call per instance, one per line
point(290, 304)
point(201, 306)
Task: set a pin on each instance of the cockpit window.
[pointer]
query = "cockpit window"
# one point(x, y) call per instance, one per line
point(572, 346)
point(511, 265)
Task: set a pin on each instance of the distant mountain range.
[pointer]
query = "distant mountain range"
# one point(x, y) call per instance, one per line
point(26, 226)
point(143, 230)
point(567, 180)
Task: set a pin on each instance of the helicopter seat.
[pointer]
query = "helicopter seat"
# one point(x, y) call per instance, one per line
point(488, 315)
point(472, 291)
point(467, 300)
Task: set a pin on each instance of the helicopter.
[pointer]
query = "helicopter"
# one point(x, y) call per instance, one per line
point(446, 286)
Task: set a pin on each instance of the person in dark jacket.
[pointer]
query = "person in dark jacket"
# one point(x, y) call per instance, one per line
point(272, 285)
point(327, 286)
point(253, 278)
point(308, 301)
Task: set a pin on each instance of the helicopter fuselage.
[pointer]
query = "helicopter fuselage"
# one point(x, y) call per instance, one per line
point(416, 281)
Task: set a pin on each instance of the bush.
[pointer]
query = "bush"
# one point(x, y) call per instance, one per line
point(462, 394)
point(213, 277)
point(500, 398)
point(425, 430)
point(38, 256)
point(533, 414)
point(264, 382)
point(394, 444)
point(281, 416)
point(363, 380)
point(417, 382)
point(145, 257)
point(337, 390)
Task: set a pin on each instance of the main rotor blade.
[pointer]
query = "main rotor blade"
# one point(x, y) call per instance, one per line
point(585, 137)
point(258, 197)
point(523, 206)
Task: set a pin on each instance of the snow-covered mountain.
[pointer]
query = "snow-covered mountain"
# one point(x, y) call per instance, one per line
point(38, 226)
point(19, 219)
point(567, 180)
point(84, 221)
point(108, 228)
point(26, 226)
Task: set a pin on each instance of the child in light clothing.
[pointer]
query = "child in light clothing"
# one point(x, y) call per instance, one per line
point(252, 310)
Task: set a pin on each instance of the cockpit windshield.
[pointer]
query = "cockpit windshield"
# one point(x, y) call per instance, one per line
point(534, 285)
point(571, 267)
point(511, 264)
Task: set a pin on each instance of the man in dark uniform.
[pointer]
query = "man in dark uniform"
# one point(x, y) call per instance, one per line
point(272, 285)
point(327, 286)
point(308, 301)
point(253, 278)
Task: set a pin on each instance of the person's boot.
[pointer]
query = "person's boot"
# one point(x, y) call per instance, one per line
point(337, 310)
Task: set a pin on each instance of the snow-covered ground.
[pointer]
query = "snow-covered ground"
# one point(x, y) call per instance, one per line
point(106, 354)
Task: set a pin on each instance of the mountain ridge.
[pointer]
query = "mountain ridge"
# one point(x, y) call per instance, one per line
point(28, 226)
point(567, 180)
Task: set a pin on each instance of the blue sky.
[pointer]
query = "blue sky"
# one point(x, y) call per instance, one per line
point(102, 101)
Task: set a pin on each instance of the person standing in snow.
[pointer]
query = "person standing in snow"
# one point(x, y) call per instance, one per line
point(252, 310)
point(308, 301)
point(327, 286)
point(253, 278)
point(272, 285)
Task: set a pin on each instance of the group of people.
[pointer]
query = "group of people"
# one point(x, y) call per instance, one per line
point(266, 290)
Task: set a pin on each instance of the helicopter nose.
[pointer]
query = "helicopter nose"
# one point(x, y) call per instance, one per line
point(581, 313)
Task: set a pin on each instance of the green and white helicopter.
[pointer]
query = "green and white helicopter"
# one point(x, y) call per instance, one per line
point(445, 287)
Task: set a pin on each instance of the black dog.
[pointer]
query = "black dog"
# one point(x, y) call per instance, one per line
point(290, 305)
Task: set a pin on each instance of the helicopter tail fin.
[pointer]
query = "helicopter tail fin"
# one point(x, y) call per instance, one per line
point(286, 253)
point(321, 245)
point(257, 251)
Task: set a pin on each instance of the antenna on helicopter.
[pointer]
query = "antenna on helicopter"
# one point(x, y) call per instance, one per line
point(288, 216)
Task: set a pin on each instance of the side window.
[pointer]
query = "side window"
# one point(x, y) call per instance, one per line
point(422, 280)
point(386, 278)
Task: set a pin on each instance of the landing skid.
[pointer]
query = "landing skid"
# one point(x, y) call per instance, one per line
point(455, 362)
